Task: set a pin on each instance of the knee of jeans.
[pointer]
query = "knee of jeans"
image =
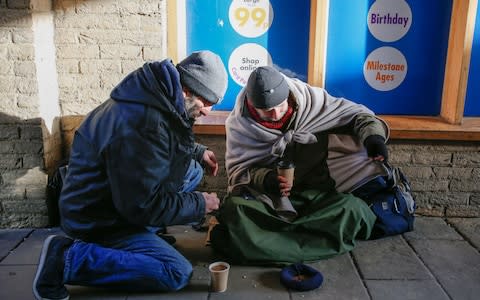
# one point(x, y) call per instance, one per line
point(180, 276)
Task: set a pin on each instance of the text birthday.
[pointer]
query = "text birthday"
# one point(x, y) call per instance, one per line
point(388, 18)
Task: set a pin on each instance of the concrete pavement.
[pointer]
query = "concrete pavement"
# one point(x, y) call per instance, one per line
point(439, 260)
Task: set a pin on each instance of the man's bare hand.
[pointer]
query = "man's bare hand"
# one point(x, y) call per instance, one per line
point(211, 202)
point(284, 186)
point(211, 162)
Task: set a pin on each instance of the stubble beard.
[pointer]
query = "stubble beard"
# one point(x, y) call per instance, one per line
point(192, 109)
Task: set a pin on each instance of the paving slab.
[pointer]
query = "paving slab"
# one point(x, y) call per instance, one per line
point(28, 252)
point(198, 288)
point(439, 260)
point(246, 282)
point(433, 228)
point(406, 290)
point(455, 264)
point(389, 258)
point(191, 244)
point(91, 293)
point(16, 282)
point(340, 281)
point(469, 228)
point(10, 238)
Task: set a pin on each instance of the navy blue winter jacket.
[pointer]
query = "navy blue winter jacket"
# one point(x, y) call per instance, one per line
point(129, 157)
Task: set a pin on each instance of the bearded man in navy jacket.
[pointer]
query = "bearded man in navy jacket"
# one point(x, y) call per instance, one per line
point(134, 166)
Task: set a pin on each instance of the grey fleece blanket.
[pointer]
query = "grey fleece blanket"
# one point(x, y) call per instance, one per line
point(248, 143)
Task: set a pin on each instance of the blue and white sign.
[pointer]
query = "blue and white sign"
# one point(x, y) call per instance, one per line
point(248, 34)
point(382, 53)
point(389, 20)
point(385, 68)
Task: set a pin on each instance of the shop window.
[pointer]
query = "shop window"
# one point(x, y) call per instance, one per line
point(248, 34)
point(472, 102)
point(407, 60)
point(388, 55)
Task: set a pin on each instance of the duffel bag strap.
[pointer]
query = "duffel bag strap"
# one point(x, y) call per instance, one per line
point(399, 181)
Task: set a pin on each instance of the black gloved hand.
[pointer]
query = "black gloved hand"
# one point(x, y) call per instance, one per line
point(271, 184)
point(376, 147)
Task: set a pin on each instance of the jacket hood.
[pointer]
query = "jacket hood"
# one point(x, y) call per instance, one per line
point(155, 83)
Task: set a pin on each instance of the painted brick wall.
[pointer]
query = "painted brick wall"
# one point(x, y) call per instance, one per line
point(18, 85)
point(99, 42)
point(95, 44)
point(22, 180)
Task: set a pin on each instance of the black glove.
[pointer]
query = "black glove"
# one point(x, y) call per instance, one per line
point(375, 145)
point(271, 184)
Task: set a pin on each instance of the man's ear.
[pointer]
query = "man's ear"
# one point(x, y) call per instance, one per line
point(186, 91)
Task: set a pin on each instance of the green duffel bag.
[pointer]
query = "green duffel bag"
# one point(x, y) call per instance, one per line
point(251, 233)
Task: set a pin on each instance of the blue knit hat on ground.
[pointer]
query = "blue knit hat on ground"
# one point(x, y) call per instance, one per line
point(204, 73)
point(301, 277)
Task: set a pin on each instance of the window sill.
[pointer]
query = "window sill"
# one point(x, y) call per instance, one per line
point(401, 127)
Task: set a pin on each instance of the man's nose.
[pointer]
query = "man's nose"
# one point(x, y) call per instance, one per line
point(205, 110)
point(275, 112)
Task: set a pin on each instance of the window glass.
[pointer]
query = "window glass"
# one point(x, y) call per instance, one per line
point(472, 102)
point(248, 34)
point(388, 54)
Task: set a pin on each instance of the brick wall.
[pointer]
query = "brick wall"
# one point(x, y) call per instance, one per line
point(22, 176)
point(93, 45)
point(444, 175)
point(99, 42)
point(22, 180)
point(18, 86)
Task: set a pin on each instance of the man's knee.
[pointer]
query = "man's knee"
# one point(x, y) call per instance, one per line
point(179, 276)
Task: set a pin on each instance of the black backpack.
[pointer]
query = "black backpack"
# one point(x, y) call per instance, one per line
point(54, 187)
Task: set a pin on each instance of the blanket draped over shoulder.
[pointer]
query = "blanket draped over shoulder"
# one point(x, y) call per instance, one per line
point(325, 223)
point(249, 143)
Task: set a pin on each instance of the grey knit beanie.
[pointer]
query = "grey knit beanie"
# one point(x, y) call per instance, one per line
point(266, 87)
point(204, 73)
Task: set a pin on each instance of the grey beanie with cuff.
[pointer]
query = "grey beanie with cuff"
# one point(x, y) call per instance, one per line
point(203, 72)
point(266, 87)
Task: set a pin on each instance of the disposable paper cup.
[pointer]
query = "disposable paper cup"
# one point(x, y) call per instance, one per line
point(219, 276)
point(287, 170)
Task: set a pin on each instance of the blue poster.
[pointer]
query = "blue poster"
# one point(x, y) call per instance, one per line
point(389, 55)
point(472, 101)
point(248, 34)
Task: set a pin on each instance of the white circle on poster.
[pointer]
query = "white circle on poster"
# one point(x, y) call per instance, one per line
point(250, 18)
point(246, 58)
point(389, 20)
point(385, 68)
